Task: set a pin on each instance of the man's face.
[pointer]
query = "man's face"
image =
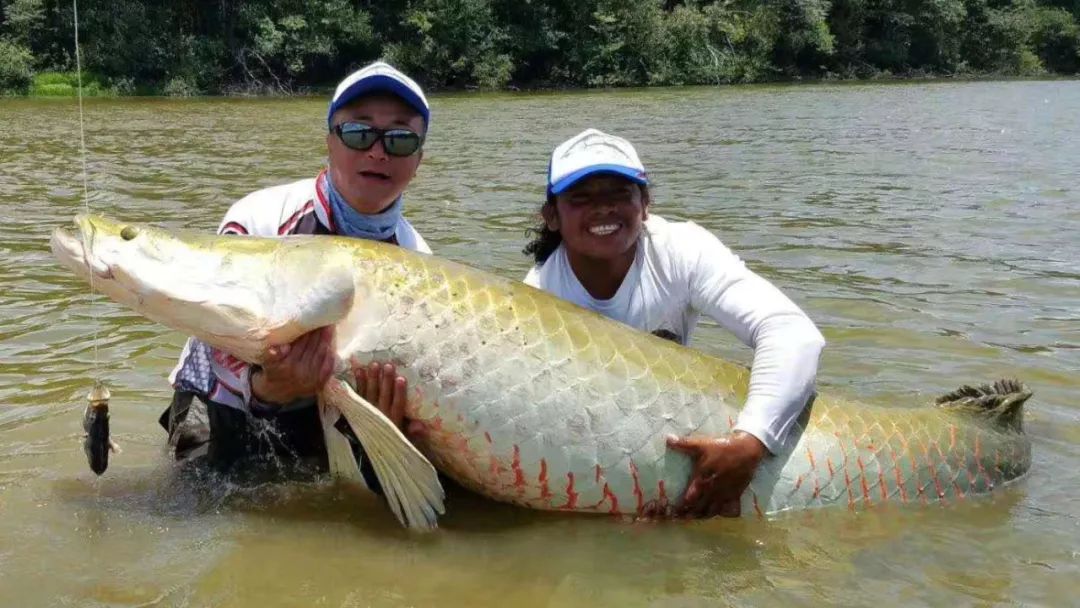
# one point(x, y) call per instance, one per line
point(370, 180)
point(599, 217)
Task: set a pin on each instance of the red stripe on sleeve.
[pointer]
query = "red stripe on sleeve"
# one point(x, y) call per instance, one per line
point(294, 219)
point(234, 228)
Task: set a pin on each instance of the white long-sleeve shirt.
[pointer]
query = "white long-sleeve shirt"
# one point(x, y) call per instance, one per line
point(681, 271)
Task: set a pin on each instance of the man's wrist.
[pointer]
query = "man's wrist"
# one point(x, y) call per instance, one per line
point(751, 444)
point(263, 390)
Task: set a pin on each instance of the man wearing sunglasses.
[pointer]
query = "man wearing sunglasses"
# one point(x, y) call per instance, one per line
point(376, 124)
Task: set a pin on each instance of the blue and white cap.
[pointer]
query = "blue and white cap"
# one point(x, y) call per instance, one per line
point(379, 77)
point(591, 152)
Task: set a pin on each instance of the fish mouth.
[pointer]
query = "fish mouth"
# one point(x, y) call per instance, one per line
point(75, 250)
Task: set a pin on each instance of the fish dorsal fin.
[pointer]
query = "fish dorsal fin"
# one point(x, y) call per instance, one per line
point(1001, 402)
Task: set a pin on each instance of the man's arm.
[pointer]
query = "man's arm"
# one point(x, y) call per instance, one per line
point(786, 346)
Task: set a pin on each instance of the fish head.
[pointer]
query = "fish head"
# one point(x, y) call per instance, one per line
point(239, 294)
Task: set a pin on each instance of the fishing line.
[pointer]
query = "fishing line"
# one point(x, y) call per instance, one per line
point(86, 190)
point(97, 443)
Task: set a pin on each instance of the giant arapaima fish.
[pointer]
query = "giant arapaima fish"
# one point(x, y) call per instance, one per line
point(528, 399)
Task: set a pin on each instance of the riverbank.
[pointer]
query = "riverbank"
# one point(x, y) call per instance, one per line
point(261, 47)
point(62, 85)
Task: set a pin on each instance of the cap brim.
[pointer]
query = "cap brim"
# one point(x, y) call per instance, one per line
point(635, 175)
point(380, 84)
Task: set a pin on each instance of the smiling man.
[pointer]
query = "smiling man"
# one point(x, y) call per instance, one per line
point(376, 125)
point(600, 246)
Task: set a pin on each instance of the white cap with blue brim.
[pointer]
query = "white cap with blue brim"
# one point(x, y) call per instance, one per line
point(379, 77)
point(589, 153)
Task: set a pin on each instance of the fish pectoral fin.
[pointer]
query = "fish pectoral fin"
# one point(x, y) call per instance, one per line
point(339, 452)
point(408, 479)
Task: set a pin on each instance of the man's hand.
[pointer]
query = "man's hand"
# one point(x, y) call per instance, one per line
point(381, 385)
point(722, 471)
point(297, 370)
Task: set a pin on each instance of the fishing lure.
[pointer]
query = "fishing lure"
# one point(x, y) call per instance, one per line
point(97, 443)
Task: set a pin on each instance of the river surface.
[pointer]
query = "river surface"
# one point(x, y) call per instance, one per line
point(931, 230)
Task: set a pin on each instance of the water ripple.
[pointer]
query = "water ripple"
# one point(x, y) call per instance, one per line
point(928, 228)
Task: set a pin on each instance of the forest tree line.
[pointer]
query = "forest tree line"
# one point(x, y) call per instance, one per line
point(260, 47)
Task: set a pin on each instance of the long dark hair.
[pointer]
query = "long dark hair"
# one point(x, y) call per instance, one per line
point(546, 241)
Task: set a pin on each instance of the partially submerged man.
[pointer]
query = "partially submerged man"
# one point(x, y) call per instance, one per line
point(377, 122)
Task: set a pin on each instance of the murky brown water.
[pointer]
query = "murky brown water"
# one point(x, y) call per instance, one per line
point(930, 229)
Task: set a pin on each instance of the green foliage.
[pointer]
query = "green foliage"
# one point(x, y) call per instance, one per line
point(21, 18)
point(15, 72)
point(262, 46)
point(806, 39)
point(55, 84)
point(66, 84)
point(694, 47)
point(716, 44)
point(900, 35)
point(453, 43)
point(935, 36)
point(994, 41)
point(289, 43)
point(535, 32)
point(1055, 38)
point(620, 40)
point(754, 37)
point(181, 86)
point(50, 78)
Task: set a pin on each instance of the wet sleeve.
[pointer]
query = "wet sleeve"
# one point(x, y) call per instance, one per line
point(192, 372)
point(233, 377)
point(213, 375)
point(235, 223)
point(786, 342)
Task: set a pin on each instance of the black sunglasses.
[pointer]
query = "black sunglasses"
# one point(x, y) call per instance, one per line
point(396, 142)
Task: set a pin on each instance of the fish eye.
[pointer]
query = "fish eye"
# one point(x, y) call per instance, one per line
point(128, 233)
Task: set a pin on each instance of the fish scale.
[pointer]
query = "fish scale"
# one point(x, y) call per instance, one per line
point(612, 426)
point(533, 401)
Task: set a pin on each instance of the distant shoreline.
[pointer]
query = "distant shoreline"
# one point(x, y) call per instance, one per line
point(323, 91)
point(260, 48)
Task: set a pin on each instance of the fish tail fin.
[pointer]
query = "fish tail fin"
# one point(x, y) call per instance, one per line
point(339, 453)
point(1001, 402)
point(409, 481)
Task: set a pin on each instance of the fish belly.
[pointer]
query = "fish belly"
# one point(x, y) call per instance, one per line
point(535, 402)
